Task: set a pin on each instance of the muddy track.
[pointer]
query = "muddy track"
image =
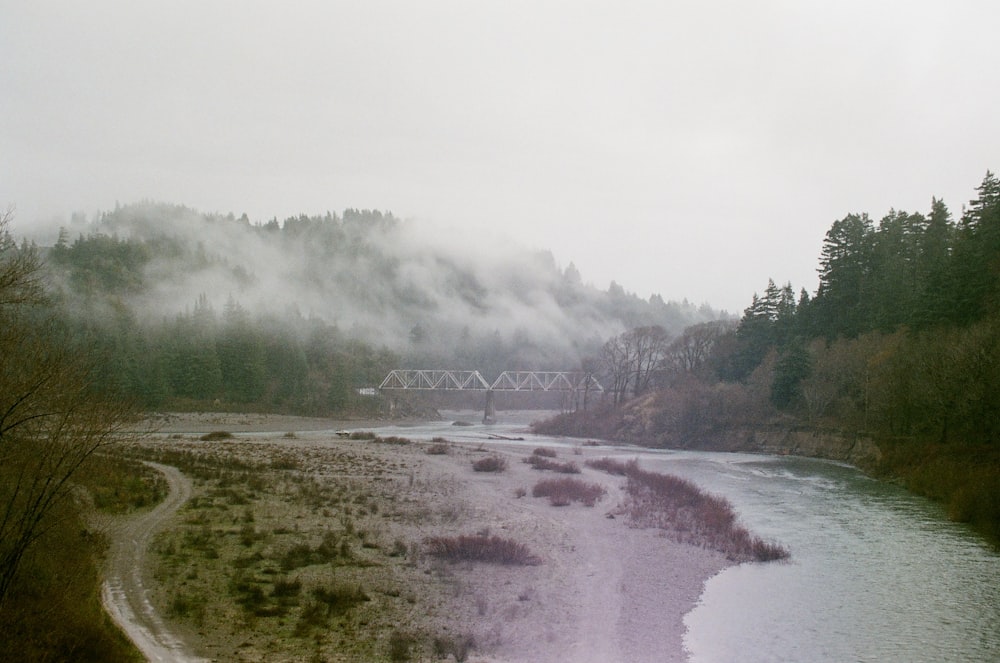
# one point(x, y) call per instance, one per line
point(124, 592)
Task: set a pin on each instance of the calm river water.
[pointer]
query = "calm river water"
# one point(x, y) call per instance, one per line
point(876, 574)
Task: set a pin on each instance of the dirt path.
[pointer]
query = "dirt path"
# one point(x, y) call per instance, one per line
point(124, 592)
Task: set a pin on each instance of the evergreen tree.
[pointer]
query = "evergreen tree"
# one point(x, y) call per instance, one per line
point(842, 305)
point(935, 284)
point(241, 356)
point(793, 366)
point(893, 281)
point(977, 254)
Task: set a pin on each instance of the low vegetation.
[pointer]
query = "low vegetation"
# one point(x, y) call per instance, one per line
point(316, 554)
point(545, 463)
point(563, 492)
point(216, 435)
point(690, 515)
point(490, 464)
point(481, 548)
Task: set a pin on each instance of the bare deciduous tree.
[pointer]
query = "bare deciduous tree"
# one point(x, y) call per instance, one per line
point(690, 352)
point(51, 420)
point(632, 358)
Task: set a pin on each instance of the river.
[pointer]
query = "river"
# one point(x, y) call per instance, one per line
point(876, 574)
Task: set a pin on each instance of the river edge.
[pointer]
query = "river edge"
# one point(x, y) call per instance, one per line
point(605, 592)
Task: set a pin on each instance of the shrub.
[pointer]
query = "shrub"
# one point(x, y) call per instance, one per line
point(399, 646)
point(362, 435)
point(612, 466)
point(298, 556)
point(543, 463)
point(313, 615)
point(562, 492)
point(339, 598)
point(490, 464)
point(693, 516)
point(438, 449)
point(285, 588)
point(459, 647)
point(216, 435)
point(118, 484)
point(391, 439)
point(544, 451)
point(481, 548)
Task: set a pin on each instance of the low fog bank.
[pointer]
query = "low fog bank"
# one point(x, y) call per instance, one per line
point(426, 294)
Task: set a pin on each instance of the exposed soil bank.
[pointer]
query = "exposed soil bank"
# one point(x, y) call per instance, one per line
point(854, 449)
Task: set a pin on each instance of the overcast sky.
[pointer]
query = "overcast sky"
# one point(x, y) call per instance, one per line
point(691, 149)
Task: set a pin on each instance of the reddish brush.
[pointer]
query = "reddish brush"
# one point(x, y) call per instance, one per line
point(693, 516)
point(493, 549)
point(562, 492)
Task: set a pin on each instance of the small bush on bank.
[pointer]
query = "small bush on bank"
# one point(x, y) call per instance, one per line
point(459, 647)
point(490, 464)
point(677, 505)
point(612, 466)
point(562, 492)
point(543, 463)
point(339, 598)
point(545, 452)
point(391, 439)
point(438, 449)
point(400, 644)
point(480, 548)
point(362, 435)
point(216, 435)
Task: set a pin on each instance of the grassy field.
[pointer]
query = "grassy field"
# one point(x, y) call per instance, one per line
point(305, 554)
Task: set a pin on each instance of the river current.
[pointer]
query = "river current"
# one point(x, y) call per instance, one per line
point(876, 574)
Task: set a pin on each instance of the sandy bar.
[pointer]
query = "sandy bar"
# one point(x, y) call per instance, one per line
point(604, 592)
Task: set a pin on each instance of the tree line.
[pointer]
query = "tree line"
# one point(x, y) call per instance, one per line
point(155, 290)
point(900, 342)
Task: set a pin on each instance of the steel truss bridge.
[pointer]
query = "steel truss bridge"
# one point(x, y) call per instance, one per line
point(450, 380)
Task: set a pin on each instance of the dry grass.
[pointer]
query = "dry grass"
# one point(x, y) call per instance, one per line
point(562, 492)
point(480, 548)
point(490, 464)
point(543, 463)
point(693, 516)
point(612, 466)
point(317, 559)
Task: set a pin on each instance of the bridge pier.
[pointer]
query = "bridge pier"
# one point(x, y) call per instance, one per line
point(490, 415)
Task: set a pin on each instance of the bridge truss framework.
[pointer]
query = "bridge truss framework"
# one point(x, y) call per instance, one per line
point(575, 382)
point(451, 380)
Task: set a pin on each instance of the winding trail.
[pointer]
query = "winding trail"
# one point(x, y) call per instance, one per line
point(124, 593)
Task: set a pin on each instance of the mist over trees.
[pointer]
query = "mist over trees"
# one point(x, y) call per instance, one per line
point(188, 308)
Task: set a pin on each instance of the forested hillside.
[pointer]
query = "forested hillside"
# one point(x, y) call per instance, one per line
point(900, 343)
point(193, 310)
